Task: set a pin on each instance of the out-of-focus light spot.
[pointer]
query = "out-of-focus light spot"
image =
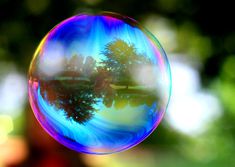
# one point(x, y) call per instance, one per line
point(37, 6)
point(6, 123)
point(191, 114)
point(6, 68)
point(3, 138)
point(92, 2)
point(3, 53)
point(200, 46)
point(168, 5)
point(164, 30)
point(229, 68)
point(185, 79)
point(130, 158)
point(191, 42)
point(13, 88)
point(190, 110)
point(13, 151)
point(229, 43)
point(226, 90)
point(52, 62)
point(6, 126)
point(13, 31)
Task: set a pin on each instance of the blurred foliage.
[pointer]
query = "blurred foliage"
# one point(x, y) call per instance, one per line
point(203, 31)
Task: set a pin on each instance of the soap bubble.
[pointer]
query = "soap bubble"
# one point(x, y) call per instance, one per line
point(99, 84)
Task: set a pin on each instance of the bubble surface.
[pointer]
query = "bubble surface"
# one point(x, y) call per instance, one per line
point(99, 84)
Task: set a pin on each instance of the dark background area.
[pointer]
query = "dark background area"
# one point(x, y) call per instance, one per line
point(199, 35)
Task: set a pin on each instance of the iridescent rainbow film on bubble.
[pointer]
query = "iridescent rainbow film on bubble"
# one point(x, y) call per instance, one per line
point(99, 84)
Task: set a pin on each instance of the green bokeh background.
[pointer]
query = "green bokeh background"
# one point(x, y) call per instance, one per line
point(197, 33)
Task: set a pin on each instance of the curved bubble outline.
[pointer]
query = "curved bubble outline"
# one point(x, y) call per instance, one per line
point(153, 39)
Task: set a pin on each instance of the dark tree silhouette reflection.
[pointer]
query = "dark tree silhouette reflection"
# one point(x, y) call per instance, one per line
point(72, 90)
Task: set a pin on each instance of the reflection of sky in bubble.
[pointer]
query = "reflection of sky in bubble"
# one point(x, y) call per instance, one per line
point(106, 29)
point(99, 84)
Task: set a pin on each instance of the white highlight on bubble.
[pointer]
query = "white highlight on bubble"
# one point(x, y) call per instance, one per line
point(150, 78)
point(52, 60)
point(146, 75)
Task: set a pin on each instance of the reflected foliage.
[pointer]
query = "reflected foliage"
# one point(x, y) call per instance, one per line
point(84, 82)
point(120, 61)
point(72, 90)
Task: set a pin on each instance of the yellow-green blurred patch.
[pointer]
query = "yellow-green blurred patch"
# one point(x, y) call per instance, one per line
point(228, 68)
point(37, 6)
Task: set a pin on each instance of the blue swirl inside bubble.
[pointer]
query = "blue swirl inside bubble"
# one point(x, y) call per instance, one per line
point(99, 84)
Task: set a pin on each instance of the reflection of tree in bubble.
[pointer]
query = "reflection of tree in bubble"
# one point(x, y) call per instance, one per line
point(121, 57)
point(120, 60)
point(80, 86)
point(72, 90)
